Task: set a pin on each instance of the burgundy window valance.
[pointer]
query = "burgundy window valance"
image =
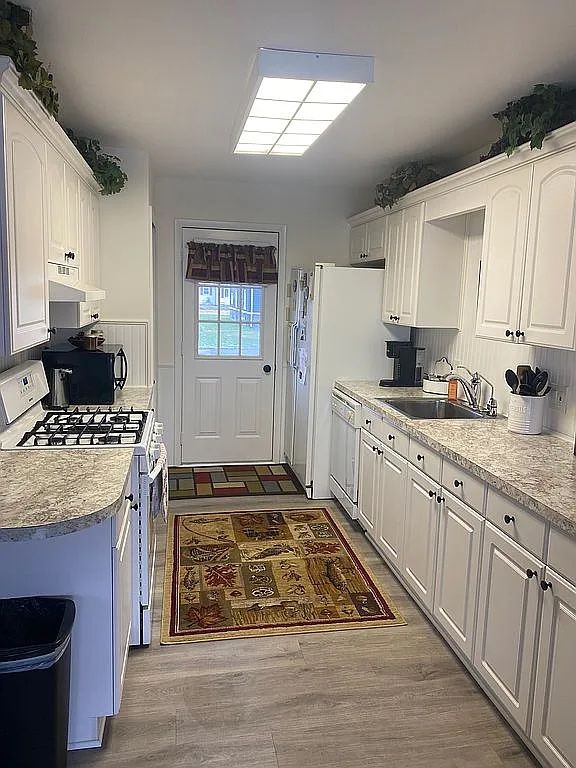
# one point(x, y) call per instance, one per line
point(223, 263)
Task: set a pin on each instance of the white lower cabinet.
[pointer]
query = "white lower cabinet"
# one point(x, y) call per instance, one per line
point(507, 621)
point(421, 534)
point(553, 722)
point(457, 569)
point(391, 506)
point(369, 481)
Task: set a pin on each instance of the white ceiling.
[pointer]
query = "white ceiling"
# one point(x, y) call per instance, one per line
point(170, 76)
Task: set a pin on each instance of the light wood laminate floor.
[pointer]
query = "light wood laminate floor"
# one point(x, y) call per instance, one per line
point(394, 697)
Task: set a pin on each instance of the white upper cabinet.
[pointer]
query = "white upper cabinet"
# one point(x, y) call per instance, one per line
point(393, 255)
point(503, 252)
point(412, 222)
point(553, 729)
point(548, 315)
point(72, 253)
point(25, 239)
point(63, 207)
point(367, 241)
point(357, 243)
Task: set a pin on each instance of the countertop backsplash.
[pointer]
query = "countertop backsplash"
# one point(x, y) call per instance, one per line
point(492, 358)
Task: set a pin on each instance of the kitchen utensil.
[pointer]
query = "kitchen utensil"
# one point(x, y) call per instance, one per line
point(539, 382)
point(90, 341)
point(524, 373)
point(543, 394)
point(442, 368)
point(512, 380)
point(59, 387)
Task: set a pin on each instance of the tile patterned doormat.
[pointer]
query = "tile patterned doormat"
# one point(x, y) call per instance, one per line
point(256, 573)
point(233, 480)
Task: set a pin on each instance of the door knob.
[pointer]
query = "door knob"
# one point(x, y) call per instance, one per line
point(267, 368)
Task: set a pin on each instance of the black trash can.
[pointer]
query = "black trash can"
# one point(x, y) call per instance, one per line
point(34, 681)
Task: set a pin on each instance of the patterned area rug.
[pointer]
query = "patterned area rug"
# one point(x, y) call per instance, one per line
point(244, 574)
point(235, 480)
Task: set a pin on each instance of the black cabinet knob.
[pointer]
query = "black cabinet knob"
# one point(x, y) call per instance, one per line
point(70, 255)
point(95, 316)
point(267, 368)
point(439, 499)
point(380, 452)
point(130, 497)
point(374, 448)
point(391, 317)
point(390, 437)
point(51, 331)
point(420, 457)
point(519, 333)
point(530, 573)
point(134, 507)
point(509, 333)
point(458, 483)
point(508, 519)
point(546, 585)
point(431, 494)
point(368, 422)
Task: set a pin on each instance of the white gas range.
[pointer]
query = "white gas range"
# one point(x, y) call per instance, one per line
point(25, 425)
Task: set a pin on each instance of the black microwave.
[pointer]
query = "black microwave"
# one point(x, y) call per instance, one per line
point(95, 375)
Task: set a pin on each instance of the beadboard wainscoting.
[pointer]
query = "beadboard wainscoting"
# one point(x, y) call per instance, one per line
point(134, 337)
point(492, 358)
point(11, 360)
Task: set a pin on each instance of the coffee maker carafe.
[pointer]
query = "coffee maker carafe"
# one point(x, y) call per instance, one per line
point(407, 364)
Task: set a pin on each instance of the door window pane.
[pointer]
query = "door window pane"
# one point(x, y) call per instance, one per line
point(230, 339)
point(229, 320)
point(208, 339)
point(250, 340)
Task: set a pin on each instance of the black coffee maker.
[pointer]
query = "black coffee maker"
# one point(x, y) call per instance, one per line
point(407, 364)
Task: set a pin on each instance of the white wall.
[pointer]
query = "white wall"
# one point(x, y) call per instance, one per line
point(126, 264)
point(315, 218)
point(492, 358)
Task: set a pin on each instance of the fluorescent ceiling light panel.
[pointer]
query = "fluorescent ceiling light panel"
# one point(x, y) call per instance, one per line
point(296, 97)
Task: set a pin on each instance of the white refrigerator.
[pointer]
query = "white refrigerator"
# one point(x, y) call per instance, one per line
point(335, 330)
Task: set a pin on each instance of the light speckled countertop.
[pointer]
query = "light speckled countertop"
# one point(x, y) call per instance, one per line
point(53, 492)
point(537, 471)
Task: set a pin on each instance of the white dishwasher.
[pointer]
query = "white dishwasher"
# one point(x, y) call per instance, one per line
point(345, 451)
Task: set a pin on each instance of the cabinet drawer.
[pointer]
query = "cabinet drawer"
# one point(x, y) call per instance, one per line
point(522, 526)
point(562, 554)
point(427, 460)
point(463, 485)
point(393, 437)
point(369, 419)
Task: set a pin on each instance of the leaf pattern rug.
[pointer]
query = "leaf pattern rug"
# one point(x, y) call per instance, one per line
point(244, 573)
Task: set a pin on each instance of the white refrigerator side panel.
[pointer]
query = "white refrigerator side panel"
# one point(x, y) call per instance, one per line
point(349, 342)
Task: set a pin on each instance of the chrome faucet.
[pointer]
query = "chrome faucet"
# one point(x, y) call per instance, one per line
point(472, 390)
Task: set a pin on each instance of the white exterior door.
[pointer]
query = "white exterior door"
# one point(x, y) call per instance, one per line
point(228, 363)
point(507, 621)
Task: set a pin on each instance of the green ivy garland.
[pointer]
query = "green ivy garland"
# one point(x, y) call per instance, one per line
point(106, 168)
point(406, 178)
point(17, 43)
point(532, 117)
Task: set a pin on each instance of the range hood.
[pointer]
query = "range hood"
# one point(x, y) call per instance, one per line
point(64, 285)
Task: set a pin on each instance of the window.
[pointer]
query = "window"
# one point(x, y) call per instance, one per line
point(229, 320)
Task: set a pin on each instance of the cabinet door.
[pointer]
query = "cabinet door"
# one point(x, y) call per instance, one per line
point(553, 729)
point(412, 222)
point(95, 222)
point(368, 482)
point(122, 602)
point(457, 566)
point(507, 620)
point(391, 506)
point(56, 182)
point(73, 216)
point(393, 252)
point(376, 239)
point(548, 315)
point(86, 231)
point(26, 290)
point(357, 243)
point(503, 252)
point(421, 535)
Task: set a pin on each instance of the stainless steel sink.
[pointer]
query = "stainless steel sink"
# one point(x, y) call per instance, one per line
point(429, 408)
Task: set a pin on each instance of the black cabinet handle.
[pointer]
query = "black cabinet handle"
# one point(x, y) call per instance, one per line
point(266, 368)
point(374, 448)
point(134, 506)
point(391, 317)
point(95, 316)
point(130, 497)
point(70, 255)
point(546, 585)
point(391, 437)
point(519, 333)
point(379, 452)
point(439, 499)
point(420, 457)
point(530, 573)
point(509, 519)
point(431, 494)
point(368, 422)
point(458, 483)
point(51, 331)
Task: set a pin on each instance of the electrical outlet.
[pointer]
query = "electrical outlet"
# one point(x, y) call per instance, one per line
point(558, 397)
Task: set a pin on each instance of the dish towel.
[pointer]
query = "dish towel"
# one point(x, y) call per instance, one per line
point(160, 487)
